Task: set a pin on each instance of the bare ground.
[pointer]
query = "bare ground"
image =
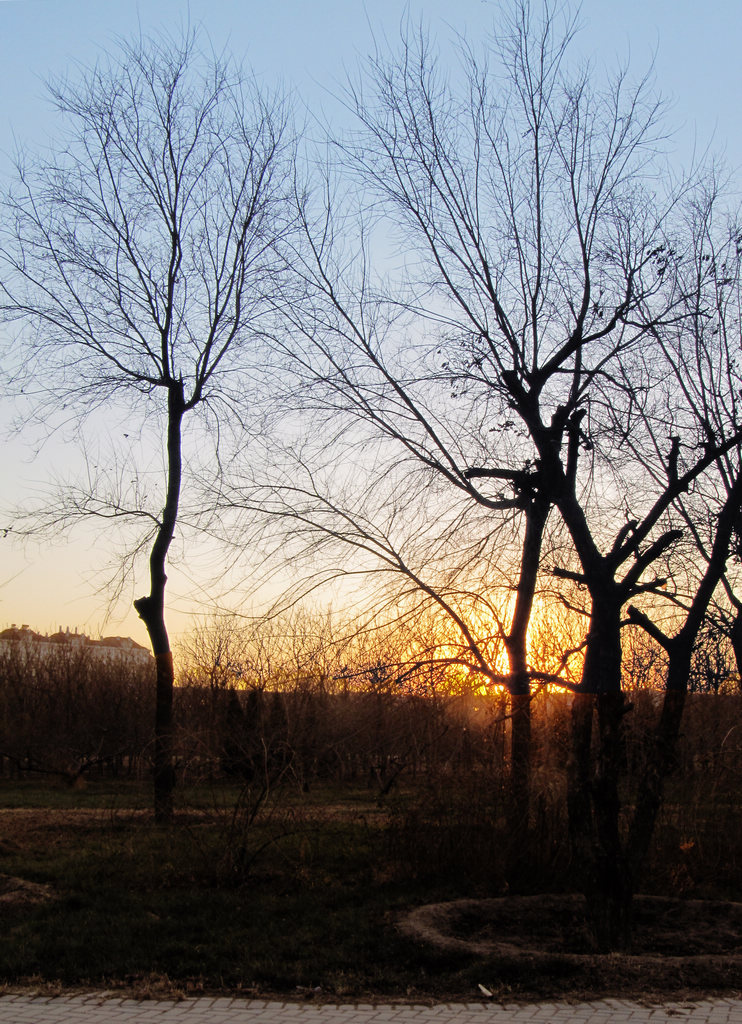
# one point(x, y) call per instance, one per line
point(678, 943)
point(19, 892)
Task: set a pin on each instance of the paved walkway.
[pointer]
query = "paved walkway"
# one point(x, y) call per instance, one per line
point(102, 1009)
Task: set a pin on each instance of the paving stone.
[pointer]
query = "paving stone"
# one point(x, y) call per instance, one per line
point(102, 1008)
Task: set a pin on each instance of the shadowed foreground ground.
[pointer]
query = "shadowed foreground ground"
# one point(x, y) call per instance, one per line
point(335, 902)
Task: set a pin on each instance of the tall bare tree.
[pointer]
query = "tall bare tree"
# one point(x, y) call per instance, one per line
point(539, 251)
point(697, 392)
point(139, 260)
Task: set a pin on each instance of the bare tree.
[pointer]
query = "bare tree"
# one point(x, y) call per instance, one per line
point(139, 261)
point(700, 410)
point(540, 254)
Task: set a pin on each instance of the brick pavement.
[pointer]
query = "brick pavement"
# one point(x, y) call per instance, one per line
point(101, 1008)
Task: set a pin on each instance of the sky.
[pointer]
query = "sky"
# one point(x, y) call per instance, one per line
point(308, 46)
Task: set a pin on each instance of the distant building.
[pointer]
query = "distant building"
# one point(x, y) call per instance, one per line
point(112, 649)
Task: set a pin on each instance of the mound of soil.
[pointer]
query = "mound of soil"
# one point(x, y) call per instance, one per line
point(17, 893)
point(687, 935)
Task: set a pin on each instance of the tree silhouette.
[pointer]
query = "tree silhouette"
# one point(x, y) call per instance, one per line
point(546, 291)
point(138, 260)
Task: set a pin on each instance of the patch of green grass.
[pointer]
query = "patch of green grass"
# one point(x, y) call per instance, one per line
point(134, 901)
point(57, 794)
point(315, 906)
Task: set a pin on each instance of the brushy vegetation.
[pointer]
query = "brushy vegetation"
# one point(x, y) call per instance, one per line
point(284, 881)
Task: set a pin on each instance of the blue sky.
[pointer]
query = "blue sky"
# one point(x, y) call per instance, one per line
point(308, 45)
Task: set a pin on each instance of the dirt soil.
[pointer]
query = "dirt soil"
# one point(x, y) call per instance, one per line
point(19, 892)
point(678, 944)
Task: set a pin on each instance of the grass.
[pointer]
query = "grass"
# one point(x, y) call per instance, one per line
point(306, 897)
point(312, 909)
point(57, 795)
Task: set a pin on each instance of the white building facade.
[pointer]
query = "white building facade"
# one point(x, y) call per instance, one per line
point(110, 649)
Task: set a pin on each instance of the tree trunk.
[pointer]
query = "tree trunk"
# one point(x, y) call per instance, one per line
point(736, 638)
point(151, 610)
point(660, 760)
point(612, 888)
point(594, 801)
point(579, 789)
point(164, 771)
point(519, 797)
point(519, 789)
